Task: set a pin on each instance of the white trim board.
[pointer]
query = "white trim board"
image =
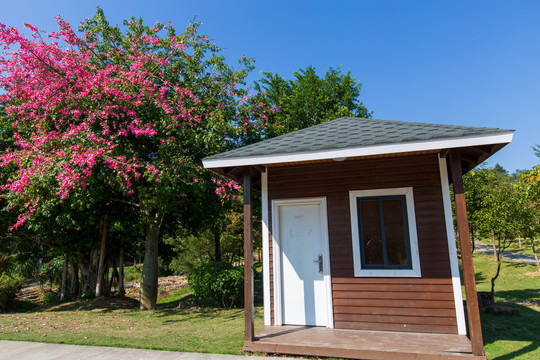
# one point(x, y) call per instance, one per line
point(278, 315)
point(265, 249)
point(413, 236)
point(360, 151)
point(454, 266)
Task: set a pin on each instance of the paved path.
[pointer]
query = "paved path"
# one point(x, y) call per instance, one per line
point(509, 255)
point(22, 350)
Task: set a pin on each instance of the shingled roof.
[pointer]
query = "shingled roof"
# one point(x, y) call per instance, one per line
point(349, 136)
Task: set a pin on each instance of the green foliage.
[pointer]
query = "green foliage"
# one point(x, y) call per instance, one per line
point(132, 273)
point(501, 208)
point(51, 271)
point(89, 294)
point(309, 99)
point(195, 245)
point(49, 297)
point(9, 285)
point(218, 282)
point(191, 251)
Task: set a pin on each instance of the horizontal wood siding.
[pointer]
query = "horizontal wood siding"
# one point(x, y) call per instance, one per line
point(423, 304)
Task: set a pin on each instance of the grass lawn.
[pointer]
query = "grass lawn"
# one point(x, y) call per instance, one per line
point(117, 322)
point(193, 329)
point(511, 336)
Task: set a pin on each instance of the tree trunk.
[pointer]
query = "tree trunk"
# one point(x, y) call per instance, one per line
point(100, 285)
point(74, 288)
point(150, 273)
point(535, 255)
point(473, 245)
point(499, 261)
point(115, 275)
point(63, 287)
point(84, 278)
point(217, 244)
point(493, 244)
point(121, 289)
point(519, 239)
point(495, 278)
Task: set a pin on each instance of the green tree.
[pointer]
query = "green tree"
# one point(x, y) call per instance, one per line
point(308, 99)
point(129, 112)
point(530, 180)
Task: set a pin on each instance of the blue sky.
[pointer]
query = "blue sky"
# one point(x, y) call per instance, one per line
point(471, 63)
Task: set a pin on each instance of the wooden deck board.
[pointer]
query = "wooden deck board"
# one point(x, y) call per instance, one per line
point(359, 344)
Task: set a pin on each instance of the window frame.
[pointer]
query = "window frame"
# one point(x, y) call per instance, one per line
point(367, 271)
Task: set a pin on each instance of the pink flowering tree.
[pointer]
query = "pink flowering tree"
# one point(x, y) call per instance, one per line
point(132, 109)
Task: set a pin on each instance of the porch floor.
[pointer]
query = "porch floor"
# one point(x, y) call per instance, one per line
point(359, 344)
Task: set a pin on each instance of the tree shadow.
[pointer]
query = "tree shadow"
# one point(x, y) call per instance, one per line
point(515, 264)
point(478, 276)
point(101, 304)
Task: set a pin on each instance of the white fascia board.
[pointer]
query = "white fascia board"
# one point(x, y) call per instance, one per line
point(361, 151)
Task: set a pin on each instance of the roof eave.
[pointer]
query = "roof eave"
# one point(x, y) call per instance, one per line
point(396, 148)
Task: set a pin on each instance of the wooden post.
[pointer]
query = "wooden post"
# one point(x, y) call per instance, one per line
point(248, 257)
point(473, 314)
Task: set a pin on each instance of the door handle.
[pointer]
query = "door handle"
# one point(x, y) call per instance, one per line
point(319, 260)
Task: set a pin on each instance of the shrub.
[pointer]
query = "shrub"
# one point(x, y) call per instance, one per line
point(49, 297)
point(89, 294)
point(51, 272)
point(132, 273)
point(218, 282)
point(9, 285)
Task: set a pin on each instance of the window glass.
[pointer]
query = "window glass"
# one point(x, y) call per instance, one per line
point(384, 241)
point(394, 226)
point(371, 232)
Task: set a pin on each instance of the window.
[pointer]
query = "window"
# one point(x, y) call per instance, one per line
point(384, 233)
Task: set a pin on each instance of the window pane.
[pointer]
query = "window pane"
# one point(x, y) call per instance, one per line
point(371, 232)
point(394, 227)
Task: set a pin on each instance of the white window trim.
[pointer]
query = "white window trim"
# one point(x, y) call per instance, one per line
point(413, 237)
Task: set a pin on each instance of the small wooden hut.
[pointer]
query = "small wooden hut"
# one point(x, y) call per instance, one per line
point(359, 252)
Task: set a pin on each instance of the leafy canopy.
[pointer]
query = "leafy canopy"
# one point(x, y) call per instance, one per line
point(134, 109)
point(309, 99)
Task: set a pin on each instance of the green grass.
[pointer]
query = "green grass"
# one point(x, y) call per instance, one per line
point(131, 273)
point(175, 298)
point(516, 335)
point(167, 328)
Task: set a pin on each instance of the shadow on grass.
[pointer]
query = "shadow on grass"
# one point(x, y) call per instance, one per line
point(478, 276)
point(102, 304)
point(522, 324)
point(516, 264)
point(189, 308)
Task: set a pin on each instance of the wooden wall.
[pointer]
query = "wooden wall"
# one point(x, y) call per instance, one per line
point(423, 304)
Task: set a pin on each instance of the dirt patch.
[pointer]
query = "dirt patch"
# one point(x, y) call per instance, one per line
point(100, 304)
point(166, 286)
point(533, 274)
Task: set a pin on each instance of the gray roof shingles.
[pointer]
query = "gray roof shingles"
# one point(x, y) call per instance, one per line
point(348, 132)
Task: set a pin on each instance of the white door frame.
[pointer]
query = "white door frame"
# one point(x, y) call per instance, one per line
point(278, 314)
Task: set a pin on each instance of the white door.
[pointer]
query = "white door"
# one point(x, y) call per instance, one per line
point(305, 280)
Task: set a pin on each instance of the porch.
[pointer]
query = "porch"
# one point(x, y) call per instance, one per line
point(359, 344)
